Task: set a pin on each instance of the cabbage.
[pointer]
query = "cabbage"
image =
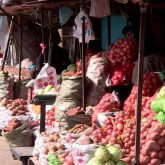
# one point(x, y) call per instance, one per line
point(72, 67)
point(115, 153)
point(94, 161)
point(120, 162)
point(102, 154)
point(110, 162)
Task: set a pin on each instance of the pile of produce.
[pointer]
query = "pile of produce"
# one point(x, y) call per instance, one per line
point(12, 124)
point(109, 155)
point(121, 74)
point(72, 73)
point(18, 106)
point(51, 137)
point(109, 103)
point(53, 148)
point(123, 52)
point(74, 111)
point(151, 82)
point(78, 128)
point(50, 116)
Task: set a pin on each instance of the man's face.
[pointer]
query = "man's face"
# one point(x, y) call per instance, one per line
point(129, 35)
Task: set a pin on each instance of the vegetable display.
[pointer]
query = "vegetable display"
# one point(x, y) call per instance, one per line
point(109, 103)
point(78, 128)
point(123, 52)
point(121, 74)
point(12, 124)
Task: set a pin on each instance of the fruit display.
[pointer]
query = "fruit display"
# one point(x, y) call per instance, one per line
point(12, 124)
point(74, 111)
point(123, 52)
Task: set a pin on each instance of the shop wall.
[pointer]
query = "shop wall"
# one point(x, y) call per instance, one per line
point(117, 24)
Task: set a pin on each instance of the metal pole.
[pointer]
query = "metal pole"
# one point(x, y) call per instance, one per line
point(9, 17)
point(7, 45)
point(50, 38)
point(109, 30)
point(83, 61)
point(140, 81)
point(42, 28)
point(20, 55)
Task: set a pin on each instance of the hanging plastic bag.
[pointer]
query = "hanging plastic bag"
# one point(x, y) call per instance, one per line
point(100, 8)
point(47, 76)
point(122, 1)
point(89, 33)
point(64, 14)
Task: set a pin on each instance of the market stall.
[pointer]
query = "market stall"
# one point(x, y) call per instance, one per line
point(77, 117)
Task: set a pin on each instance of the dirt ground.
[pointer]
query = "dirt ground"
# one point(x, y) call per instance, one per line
point(5, 154)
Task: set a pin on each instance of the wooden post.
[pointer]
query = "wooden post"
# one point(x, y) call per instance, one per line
point(140, 81)
point(83, 61)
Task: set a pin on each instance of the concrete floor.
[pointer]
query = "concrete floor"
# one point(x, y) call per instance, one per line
point(5, 154)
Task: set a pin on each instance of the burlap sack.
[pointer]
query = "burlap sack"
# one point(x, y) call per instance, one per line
point(70, 95)
point(19, 137)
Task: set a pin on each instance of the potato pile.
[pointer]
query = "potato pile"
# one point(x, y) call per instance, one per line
point(12, 124)
point(78, 128)
point(51, 137)
point(16, 106)
point(53, 148)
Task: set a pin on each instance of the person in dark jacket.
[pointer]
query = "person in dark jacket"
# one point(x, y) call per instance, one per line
point(59, 57)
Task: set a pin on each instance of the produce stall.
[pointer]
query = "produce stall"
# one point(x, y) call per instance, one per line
point(88, 125)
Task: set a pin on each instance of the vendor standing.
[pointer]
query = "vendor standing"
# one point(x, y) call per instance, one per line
point(59, 56)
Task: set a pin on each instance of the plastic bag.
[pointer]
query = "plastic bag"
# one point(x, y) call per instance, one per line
point(83, 153)
point(47, 76)
point(53, 160)
point(100, 8)
point(89, 34)
point(97, 73)
point(64, 14)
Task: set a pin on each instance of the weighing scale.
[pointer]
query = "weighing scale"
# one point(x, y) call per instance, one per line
point(43, 100)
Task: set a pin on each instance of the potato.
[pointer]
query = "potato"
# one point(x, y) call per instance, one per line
point(53, 147)
point(51, 133)
point(155, 136)
point(163, 147)
point(153, 145)
point(145, 151)
point(158, 128)
point(60, 146)
point(146, 159)
point(56, 137)
point(156, 162)
point(51, 151)
point(161, 141)
point(153, 154)
point(43, 133)
point(45, 151)
point(161, 154)
point(141, 158)
point(127, 159)
point(59, 140)
point(50, 140)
